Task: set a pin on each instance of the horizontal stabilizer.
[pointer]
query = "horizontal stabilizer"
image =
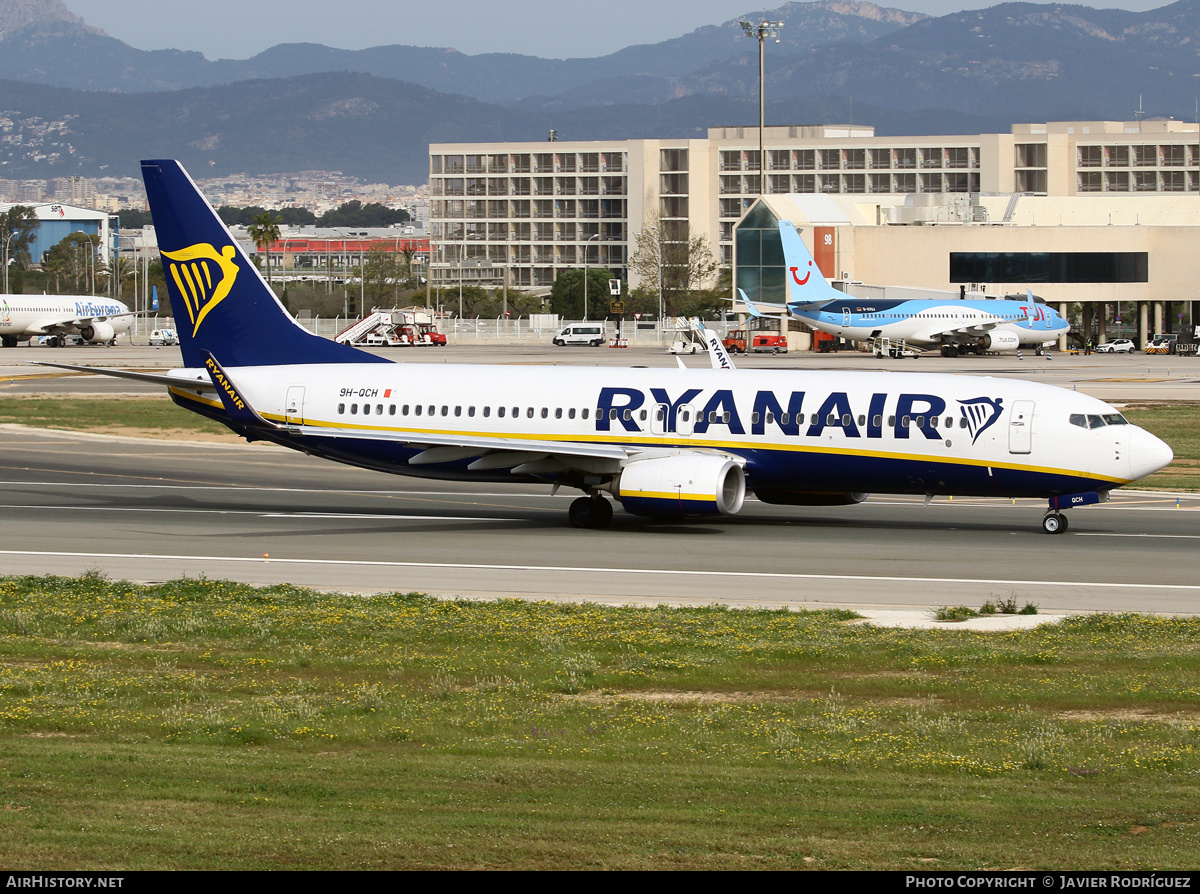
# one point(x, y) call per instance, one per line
point(194, 379)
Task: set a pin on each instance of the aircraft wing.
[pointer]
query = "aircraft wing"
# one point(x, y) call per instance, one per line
point(192, 379)
point(977, 328)
point(52, 326)
point(59, 325)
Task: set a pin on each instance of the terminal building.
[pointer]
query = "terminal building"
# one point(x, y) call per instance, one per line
point(1099, 213)
point(57, 221)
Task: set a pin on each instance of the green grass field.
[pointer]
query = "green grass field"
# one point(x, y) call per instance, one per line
point(210, 724)
point(142, 415)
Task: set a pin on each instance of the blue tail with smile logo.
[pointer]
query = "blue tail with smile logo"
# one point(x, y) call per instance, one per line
point(221, 303)
point(807, 286)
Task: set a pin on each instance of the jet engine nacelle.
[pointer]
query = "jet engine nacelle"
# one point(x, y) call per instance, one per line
point(98, 332)
point(1000, 340)
point(686, 484)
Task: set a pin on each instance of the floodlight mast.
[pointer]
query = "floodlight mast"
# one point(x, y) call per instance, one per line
point(759, 32)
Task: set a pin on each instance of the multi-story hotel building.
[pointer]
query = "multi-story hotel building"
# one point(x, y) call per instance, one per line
point(527, 211)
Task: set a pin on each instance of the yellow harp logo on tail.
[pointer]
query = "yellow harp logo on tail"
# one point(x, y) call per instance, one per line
point(203, 277)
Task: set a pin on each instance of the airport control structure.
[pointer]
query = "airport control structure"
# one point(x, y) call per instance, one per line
point(1101, 213)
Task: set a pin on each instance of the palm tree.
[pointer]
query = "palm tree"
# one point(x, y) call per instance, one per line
point(265, 232)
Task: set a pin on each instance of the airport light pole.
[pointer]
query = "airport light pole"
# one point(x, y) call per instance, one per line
point(585, 272)
point(759, 32)
point(7, 241)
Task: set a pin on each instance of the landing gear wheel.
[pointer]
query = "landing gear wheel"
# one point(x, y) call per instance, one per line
point(590, 512)
point(1054, 523)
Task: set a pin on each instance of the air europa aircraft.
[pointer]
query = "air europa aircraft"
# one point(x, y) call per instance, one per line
point(664, 443)
point(955, 326)
point(95, 319)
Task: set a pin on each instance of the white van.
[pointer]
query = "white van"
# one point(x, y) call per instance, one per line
point(164, 337)
point(581, 334)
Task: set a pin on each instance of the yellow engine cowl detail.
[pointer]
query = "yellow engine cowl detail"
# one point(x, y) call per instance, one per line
point(686, 484)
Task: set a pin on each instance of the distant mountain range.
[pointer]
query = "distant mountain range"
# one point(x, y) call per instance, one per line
point(76, 101)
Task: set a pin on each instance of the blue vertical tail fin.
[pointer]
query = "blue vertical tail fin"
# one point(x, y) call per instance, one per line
point(806, 284)
point(220, 302)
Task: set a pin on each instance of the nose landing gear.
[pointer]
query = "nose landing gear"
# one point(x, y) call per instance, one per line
point(1054, 523)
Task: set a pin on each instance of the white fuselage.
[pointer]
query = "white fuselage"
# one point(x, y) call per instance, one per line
point(857, 431)
point(25, 316)
point(1017, 323)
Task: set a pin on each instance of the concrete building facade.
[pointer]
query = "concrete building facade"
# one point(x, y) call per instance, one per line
point(902, 208)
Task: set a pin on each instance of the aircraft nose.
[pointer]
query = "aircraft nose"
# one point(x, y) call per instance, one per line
point(1147, 454)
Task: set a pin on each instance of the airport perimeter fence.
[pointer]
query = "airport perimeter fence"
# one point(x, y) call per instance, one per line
point(521, 332)
point(501, 332)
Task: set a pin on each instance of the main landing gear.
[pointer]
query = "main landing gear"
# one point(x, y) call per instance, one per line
point(591, 512)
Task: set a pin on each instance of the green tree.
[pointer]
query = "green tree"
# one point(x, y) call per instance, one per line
point(265, 233)
point(382, 276)
point(566, 295)
point(134, 219)
point(355, 214)
point(668, 253)
point(18, 226)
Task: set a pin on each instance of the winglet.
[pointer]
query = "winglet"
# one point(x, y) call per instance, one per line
point(236, 405)
point(749, 306)
point(717, 354)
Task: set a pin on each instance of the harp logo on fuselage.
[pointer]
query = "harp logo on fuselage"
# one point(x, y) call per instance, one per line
point(202, 276)
point(980, 413)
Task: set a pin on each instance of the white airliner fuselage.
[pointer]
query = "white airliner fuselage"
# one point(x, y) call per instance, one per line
point(825, 435)
point(93, 318)
point(664, 443)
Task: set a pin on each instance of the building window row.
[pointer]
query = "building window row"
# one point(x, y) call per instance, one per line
point(530, 186)
point(1138, 181)
point(853, 159)
point(848, 184)
point(1151, 156)
point(528, 163)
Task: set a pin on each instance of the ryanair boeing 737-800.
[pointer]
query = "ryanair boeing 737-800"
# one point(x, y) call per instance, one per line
point(664, 443)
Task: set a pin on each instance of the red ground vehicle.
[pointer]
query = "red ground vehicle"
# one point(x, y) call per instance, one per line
point(758, 342)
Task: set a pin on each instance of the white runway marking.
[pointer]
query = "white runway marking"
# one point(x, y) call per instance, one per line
point(258, 513)
point(659, 572)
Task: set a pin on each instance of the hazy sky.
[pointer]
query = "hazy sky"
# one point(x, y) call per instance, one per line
point(235, 29)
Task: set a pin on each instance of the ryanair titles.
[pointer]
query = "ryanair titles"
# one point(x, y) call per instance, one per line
point(617, 409)
point(222, 381)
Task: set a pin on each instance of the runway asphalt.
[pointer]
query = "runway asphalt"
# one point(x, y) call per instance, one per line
point(154, 510)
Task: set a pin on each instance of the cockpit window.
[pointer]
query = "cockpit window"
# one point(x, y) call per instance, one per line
point(1079, 419)
point(1095, 421)
point(1115, 419)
